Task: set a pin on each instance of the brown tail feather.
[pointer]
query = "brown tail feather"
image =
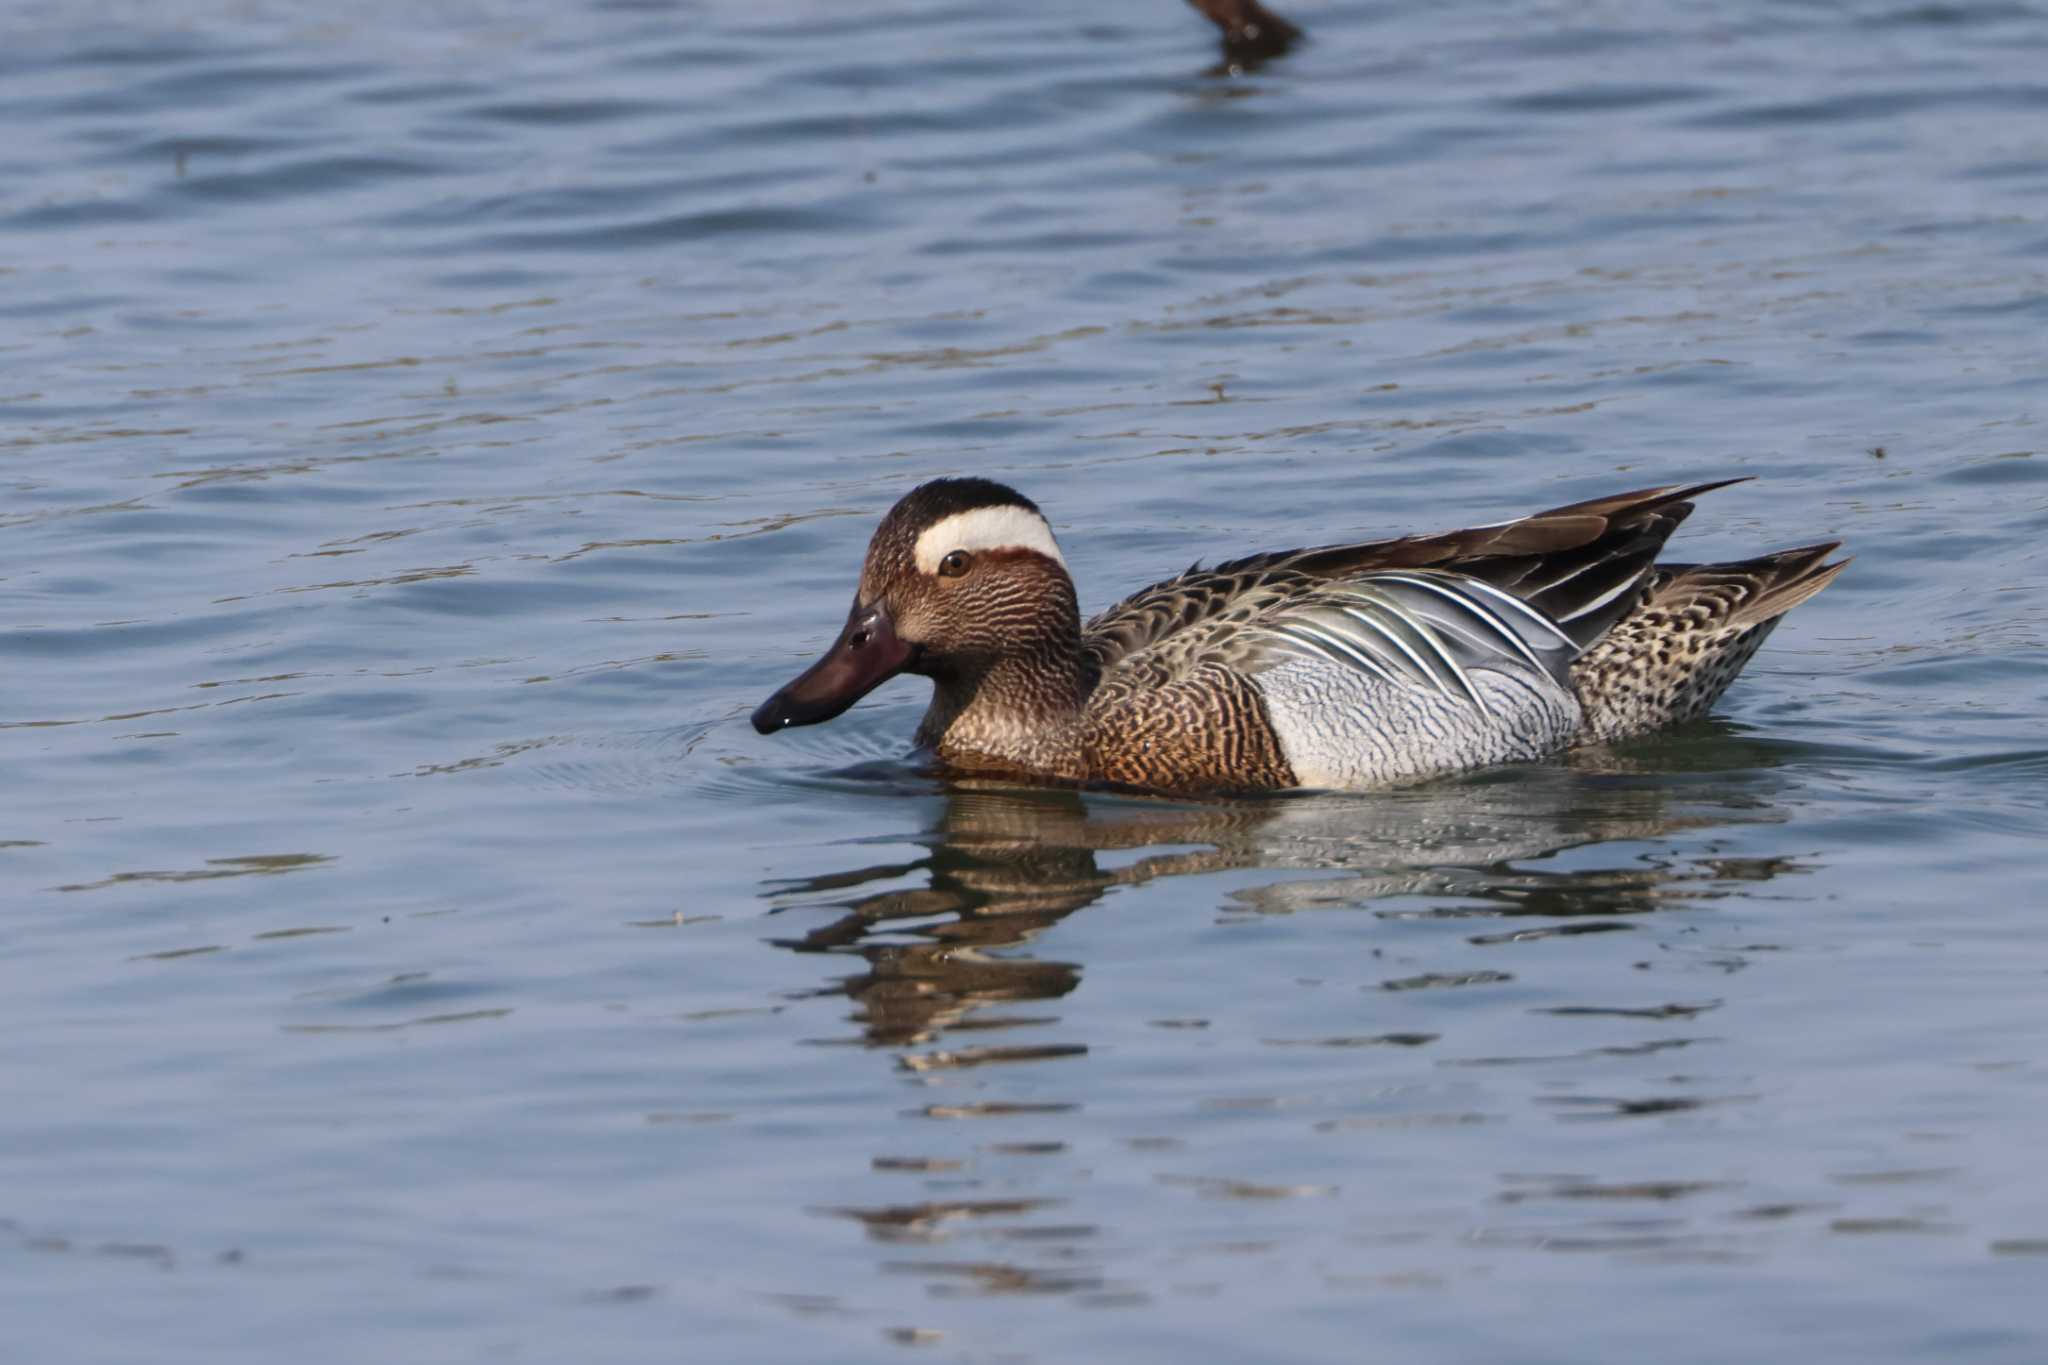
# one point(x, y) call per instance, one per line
point(1748, 592)
point(1642, 500)
point(1696, 625)
point(1800, 576)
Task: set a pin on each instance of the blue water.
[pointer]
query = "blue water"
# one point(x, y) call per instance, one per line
point(426, 431)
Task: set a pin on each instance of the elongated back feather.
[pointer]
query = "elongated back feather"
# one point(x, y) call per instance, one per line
point(1582, 566)
point(1423, 628)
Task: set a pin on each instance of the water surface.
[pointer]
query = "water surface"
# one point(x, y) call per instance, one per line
point(428, 431)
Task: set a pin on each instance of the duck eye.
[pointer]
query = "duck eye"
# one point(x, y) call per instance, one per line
point(955, 564)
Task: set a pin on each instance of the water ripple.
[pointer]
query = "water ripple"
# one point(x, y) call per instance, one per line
point(431, 429)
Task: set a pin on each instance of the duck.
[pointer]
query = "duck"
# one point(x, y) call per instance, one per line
point(1343, 667)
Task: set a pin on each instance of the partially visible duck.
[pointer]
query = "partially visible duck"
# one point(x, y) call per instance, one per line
point(1349, 666)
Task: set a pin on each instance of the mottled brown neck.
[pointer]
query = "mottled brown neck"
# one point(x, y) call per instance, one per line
point(1019, 710)
point(1019, 715)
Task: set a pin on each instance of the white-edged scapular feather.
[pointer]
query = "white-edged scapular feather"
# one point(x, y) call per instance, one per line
point(1529, 631)
point(986, 528)
point(1629, 584)
point(1427, 630)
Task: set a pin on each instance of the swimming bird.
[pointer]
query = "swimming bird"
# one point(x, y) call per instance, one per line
point(1344, 666)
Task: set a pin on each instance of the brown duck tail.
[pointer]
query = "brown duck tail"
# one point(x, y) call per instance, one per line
point(1695, 626)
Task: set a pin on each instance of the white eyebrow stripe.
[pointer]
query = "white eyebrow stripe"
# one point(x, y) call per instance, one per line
point(986, 528)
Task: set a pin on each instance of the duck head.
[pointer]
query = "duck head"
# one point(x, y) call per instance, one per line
point(963, 583)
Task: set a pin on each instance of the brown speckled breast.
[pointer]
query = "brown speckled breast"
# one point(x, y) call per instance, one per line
point(1204, 732)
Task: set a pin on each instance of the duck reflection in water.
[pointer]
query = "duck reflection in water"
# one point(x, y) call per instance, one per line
point(1006, 863)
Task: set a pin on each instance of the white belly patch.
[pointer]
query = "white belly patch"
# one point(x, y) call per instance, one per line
point(1345, 729)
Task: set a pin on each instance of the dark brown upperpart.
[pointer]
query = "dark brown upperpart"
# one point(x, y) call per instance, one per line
point(1557, 561)
point(1250, 33)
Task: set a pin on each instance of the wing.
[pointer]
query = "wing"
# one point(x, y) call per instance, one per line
point(1423, 629)
point(1581, 565)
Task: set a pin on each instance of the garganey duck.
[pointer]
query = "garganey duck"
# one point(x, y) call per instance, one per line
point(1348, 666)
